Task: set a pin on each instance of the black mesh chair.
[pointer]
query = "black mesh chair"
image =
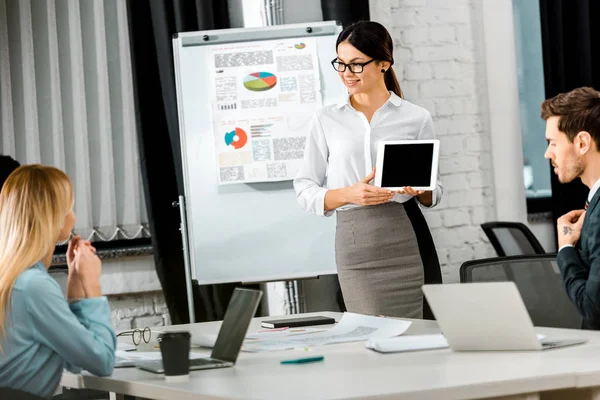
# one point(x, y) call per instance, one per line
point(539, 282)
point(512, 239)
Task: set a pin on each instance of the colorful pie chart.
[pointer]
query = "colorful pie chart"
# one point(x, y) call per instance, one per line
point(236, 138)
point(260, 81)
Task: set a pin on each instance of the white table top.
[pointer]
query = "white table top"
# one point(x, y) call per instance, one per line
point(351, 371)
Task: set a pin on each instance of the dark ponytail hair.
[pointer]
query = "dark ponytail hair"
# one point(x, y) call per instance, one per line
point(372, 39)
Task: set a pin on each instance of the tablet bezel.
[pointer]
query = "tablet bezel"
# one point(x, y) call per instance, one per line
point(434, 162)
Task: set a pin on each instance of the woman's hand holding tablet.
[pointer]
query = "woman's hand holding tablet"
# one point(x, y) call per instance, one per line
point(363, 194)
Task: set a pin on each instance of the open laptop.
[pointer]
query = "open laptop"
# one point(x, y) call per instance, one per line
point(239, 314)
point(486, 316)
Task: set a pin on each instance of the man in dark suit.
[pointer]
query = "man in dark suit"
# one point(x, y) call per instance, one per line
point(573, 135)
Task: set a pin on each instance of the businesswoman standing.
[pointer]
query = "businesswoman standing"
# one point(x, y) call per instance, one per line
point(40, 332)
point(384, 250)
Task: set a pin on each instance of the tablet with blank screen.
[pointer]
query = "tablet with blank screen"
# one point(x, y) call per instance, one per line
point(411, 163)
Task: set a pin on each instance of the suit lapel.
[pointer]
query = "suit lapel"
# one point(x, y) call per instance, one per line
point(593, 203)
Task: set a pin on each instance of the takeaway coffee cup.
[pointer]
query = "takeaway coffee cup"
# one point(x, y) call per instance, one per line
point(175, 350)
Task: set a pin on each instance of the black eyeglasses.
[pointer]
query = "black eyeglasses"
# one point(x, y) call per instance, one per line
point(137, 335)
point(355, 68)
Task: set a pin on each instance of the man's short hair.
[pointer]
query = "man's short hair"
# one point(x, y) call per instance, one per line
point(7, 166)
point(579, 110)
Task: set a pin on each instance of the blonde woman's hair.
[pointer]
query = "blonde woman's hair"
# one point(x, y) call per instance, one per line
point(34, 202)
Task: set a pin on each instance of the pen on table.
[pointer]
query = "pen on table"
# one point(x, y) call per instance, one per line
point(303, 360)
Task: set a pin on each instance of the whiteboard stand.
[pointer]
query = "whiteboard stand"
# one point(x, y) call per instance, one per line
point(221, 239)
point(186, 259)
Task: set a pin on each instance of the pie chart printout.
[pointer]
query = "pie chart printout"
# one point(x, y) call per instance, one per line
point(260, 81)
point(236, 138)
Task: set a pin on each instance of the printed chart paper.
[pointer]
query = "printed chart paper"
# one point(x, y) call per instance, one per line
point(264, 95)
point(351, 328)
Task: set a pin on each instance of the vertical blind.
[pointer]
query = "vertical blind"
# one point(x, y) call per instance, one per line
point(66, 99)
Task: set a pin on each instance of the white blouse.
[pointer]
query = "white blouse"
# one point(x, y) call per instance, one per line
point(341, 148)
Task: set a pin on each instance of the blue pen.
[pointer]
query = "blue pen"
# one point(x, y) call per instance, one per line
point(303, 360)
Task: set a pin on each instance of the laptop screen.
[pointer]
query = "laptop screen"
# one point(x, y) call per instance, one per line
point(240, 311)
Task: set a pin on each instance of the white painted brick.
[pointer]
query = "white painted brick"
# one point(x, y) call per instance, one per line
point(449, 107)
point(464, 36)
point(417, 72)
point(401, 18)
point(399, 71)
point(454, 4)
point(414, 36)
point(142, 322)
point(458, 164)
point(442, 34)
point(461, 254)
point(474, 144)
point(485, 161)
point(160, 306)
point(445, 88)
point(471, 106)
point(428, 104)
point(458, 125)
point(481, 179)
point(483, 250)
point(479, 215)
point(444, 108)
point(442, 256)
point(439, 16)
point(447, 70)
point(455, 182)
point(442, 53)
point(455, 237)
point(472, 197)
point(410, 3)
point(121, 324)
point(452, 145)
point(402, 55)
point(456, 217)
point(127, 307)
point(450, 274)
point(434, 219)
point(410, 90)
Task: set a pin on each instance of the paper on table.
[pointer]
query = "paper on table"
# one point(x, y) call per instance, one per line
point(351, 328)
point(407, 343)
point(129, 358)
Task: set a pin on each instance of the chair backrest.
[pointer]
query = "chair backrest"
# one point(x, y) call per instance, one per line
point(512, 239)
point(14, 394)
point(539, 281)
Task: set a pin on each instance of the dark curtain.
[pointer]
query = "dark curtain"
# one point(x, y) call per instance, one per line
point(152, 25)
point(571, 44)
point(344, 13)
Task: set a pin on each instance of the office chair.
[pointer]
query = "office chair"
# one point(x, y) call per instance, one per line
point(539, 281)
point(14, 394)
point(512, 239)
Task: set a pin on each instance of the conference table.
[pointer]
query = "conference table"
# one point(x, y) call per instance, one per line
point(350, 371)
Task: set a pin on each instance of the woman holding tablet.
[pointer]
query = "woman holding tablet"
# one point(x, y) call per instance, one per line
point(384, 250)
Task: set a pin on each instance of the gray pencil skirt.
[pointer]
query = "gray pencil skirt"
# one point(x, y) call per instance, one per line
point(378, 261)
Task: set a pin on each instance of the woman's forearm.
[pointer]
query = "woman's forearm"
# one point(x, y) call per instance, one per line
point(426, 198)
point(335, 198)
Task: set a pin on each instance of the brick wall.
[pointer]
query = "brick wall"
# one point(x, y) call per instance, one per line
point(439, 62)
point(138, 310)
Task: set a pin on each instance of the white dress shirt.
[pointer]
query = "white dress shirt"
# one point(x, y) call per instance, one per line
point(341, 148)
point(591, 194)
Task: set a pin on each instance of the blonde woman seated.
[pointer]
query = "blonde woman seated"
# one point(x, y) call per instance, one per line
point(41, 333)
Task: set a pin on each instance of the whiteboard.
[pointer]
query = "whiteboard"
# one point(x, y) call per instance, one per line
point(255, 232)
